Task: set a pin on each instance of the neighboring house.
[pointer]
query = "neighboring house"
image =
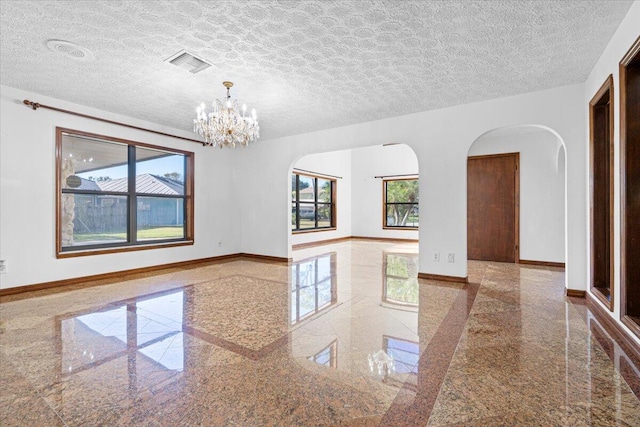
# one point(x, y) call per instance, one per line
point(108, 212)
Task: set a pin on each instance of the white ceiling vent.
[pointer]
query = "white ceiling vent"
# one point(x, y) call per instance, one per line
point(70, 50)
point(189, 62)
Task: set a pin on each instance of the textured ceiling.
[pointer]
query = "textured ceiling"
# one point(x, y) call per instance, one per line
point(305, 65)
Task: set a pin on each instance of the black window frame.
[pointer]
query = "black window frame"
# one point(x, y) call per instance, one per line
point(386, 204)
point(132, 195)
point(296, 203)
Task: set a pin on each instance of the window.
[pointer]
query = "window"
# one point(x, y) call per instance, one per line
point(312, 203)
point(114, 194)
point(400, 208)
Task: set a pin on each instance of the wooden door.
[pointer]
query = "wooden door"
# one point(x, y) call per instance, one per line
point(493, 207)
point(630, 187)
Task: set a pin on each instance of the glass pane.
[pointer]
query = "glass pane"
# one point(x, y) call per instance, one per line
point(293, 187)
point(160, 218)
point(405, 191)
point(402, 215)
point(88, 219)
point(307, 215)
point(159, 172)
point(307, 188)
point(324, 215)
point(293, 216)
point(91, 164)
point(324, 190)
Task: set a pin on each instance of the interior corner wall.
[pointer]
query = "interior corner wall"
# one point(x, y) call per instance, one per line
point(608, 64)
point(336, 163)
point(542, 230)
point(27, 196)
point(367, 163)
point(441, 140)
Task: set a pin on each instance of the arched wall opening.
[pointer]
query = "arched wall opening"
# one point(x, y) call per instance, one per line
point(542, 234)
point(359, 175)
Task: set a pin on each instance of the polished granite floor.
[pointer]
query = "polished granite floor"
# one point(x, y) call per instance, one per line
point(345, 335)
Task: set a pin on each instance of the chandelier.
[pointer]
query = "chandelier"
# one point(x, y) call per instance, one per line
point(225, 125)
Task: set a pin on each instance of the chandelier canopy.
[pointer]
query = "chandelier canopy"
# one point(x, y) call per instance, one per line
point(225, 125)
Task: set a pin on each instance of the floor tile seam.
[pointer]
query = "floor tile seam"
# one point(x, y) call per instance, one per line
point(135, 299)
point(235, 348)
point(318, 315)
point(280, 282)
point(427, 402)
point(46, 402)
point(24, 376)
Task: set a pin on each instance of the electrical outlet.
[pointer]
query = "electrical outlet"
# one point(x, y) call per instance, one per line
point(436, 256)
point(451, 257)
point(4, 266)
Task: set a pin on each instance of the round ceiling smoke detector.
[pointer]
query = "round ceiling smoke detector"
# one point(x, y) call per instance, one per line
point(70, 50)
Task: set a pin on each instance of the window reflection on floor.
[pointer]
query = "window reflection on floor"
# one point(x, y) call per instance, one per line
point(150, 326)
point(328, 356)
point(313, 286)
point(400, 279)
point(405, 354)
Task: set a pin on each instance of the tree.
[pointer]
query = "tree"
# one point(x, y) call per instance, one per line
point(175, 176)
point(402, 200)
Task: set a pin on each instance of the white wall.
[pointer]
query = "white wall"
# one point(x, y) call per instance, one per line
point(336, 163)
point(625, 35)
point(27, 197)
point(367, 163)
point(541, 188)
point(441, 140)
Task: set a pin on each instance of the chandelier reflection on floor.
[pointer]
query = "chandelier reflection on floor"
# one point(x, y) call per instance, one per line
point(381, 362)
point(225, 125)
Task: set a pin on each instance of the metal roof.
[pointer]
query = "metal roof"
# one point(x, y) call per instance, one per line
point(145, 183)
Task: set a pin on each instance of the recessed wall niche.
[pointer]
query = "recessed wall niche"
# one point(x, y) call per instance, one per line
point(601, 192)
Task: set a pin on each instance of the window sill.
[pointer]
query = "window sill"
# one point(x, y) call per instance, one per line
point(101, 251)
point(384, 227)
point(313, 230)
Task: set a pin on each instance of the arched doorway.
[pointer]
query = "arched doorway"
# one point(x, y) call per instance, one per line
point(516, 196)
point(364, 204)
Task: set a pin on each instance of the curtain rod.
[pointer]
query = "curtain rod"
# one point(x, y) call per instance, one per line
point(36, 105)
point(317, 173)
point(396, 176)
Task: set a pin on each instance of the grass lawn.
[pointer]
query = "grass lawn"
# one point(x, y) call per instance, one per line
point(143, 234)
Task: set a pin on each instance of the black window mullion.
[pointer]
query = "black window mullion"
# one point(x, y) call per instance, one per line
point(297, 202)
point(132, 220)
point(315, 202)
